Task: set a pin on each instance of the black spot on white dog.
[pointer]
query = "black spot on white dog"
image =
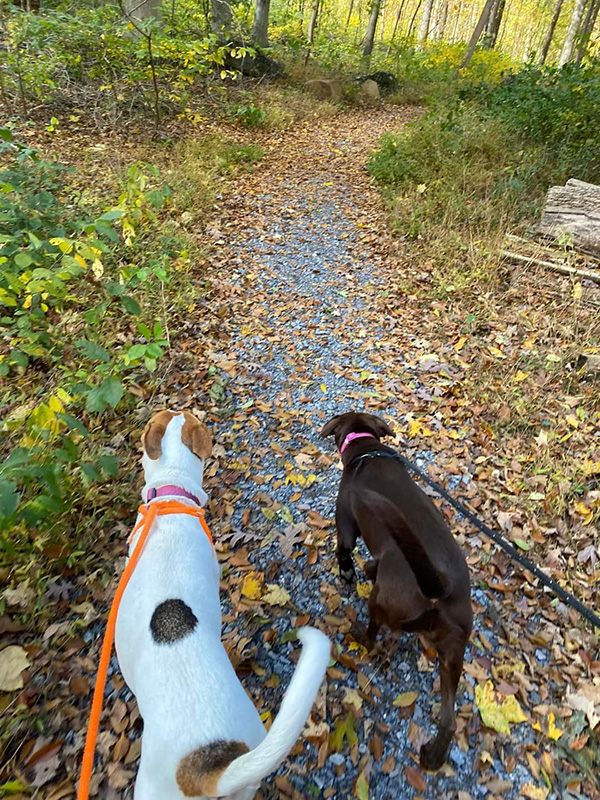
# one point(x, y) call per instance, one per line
point(172, 620)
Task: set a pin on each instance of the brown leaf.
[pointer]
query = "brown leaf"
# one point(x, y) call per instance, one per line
point(416, 780)
point(389, 765)
point(121, 748)
point(376, 746)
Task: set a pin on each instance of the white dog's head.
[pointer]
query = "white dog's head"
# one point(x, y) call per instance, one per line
point(175, 446)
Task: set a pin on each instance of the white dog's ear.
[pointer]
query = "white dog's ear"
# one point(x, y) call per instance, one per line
point(195, 435)
point(154, 432)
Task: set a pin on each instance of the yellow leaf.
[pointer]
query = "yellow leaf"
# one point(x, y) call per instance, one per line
point(405, 700)
point(27, 303)
point(572, 420)
point(553, 732)
point(520, 376)
point(533, 792)
point(496, 352)
point(361, 790)
point(276, 595)
point(323, 387)
point(577, 290)
point(496, 710)
point(364, 589)
point(81, 261)
point(460, 344)
point(98, 268)
point(252, 586)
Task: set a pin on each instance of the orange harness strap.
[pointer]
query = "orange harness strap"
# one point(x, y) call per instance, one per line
point(148, 515)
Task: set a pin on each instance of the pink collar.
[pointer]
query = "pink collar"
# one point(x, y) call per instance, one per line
point(352, 437)
point(170, 491)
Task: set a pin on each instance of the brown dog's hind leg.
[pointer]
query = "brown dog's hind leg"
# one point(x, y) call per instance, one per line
point(451, 654)
point(347, 534)
point(370, 569)
point(366, 635)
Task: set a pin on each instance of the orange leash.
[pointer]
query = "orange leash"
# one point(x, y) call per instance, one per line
point(148, 513)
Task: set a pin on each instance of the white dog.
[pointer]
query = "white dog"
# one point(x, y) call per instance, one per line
point(202, 735)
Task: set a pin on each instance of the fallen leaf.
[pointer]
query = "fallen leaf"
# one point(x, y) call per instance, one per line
point(533, 792)
point(416, 780)
point(275, 596)
point(405, 700)
point(496, 710)
point(252, 586)
point(13, 660)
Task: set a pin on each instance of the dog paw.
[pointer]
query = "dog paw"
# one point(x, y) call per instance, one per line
point(348, 576)
point(359, 632)
point(430, 756)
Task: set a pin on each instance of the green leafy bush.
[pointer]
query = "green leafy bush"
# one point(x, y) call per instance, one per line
point(68, 281)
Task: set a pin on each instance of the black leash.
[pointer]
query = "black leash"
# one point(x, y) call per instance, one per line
point(567, 597)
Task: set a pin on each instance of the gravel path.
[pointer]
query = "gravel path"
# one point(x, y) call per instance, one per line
point(308, 336)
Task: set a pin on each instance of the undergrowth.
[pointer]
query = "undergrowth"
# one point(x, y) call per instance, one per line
point(457, 181)
point(89, 295)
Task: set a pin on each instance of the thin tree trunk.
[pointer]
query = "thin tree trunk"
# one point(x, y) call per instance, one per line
point(424, 26)
point(481, 23)
point(568, 49)
point(350, 10)
point(414, 16)
point(371, 28)
point(493, 26)
point(312, 25)
point(587, 30)
point(442, 20)
point(138, 10)
point(456, 22)
point(260, 28)
point(220, 18)
point(382, 26)
point(396, 23)
point(550, 33)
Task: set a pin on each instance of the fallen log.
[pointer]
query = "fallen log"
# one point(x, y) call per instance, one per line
point(574, 210)
point(564, 269)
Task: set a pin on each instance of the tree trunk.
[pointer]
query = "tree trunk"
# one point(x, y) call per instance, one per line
point(587, 29)
point(312, 25)
point(396, 23)
point(568, 49)
point(481, 23)
point(551, 29)
point(372, 26)
point(494, 22)
point(260, 28)
point(220, 18)
point(350, 10)
point(442, 20)
point(139, 10)
point(382, 26)
point(414, 16)
point(424, 26)
point(456, 22)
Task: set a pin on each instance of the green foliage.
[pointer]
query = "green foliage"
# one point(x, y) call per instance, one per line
point(249, 115)
point(488, 156)
point(94, 57)
point(68, 281)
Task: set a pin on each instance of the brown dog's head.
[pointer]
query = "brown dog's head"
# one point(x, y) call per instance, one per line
point(194, 434)
point(355, 422)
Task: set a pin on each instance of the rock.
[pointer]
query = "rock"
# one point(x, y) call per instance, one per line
point(385, 80)
point(252, 66)
point(369, 89)
point(325, 90)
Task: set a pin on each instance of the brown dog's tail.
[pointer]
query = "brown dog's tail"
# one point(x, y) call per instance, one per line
point(431, 582)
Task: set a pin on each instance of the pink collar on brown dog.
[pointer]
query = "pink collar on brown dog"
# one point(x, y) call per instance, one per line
point(352, 436)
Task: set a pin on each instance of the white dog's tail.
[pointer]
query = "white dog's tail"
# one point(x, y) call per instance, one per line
point(223, 768)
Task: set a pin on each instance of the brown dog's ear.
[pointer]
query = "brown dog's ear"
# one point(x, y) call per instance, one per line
point(154, 432)
point(330, 427)
point(195, 435)
point(380, 428)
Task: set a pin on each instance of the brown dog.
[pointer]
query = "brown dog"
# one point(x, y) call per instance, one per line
point(420, 576)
